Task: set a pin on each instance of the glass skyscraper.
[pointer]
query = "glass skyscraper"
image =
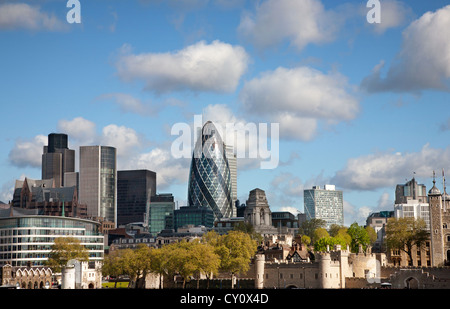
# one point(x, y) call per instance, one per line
point(98, 181)
point(326, 204)
point(210, 183)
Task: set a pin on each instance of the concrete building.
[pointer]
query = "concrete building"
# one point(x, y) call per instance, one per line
point(258, 213)
point(378, 221)
point(411, 201)
point(232, 162)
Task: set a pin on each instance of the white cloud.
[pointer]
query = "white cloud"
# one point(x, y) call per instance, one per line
point(124, 139)
point(393, 14)
point(28, 152)
point(299, 22)
point(129, 104)
point(382, 170)
point(215, 67)
point(422, 62)
point(355, 214)
point(24, 16)
point(169, 171)
point(81, 130)
point(297, 98)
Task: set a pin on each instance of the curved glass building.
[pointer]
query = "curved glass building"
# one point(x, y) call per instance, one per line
point(29, 239)
point(209, 177)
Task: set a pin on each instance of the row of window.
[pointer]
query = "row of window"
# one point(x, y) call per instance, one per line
point(39, 239)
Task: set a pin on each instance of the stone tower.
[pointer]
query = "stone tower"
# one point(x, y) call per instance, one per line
point(436, 232)
point(258, 214)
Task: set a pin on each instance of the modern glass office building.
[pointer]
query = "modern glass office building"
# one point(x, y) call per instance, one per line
point(160, 213)
point(326, 204)
point(210, 183)
point(134, 189)
point(98, 181)
point(191, 215)
point(28, 240)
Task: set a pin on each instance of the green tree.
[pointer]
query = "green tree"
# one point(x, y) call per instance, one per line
point(65, 249)
point(308, 227)
point(335, 229)
point(405, 234)
point(320, 233)
point(359, 236)
point(306, 240)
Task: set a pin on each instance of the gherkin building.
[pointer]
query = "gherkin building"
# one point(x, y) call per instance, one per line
point(209, 176)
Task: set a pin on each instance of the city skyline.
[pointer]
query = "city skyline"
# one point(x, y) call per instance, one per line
point(352, 108)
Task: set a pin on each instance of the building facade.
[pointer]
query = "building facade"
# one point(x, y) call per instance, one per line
point(160, 213)
point(38, 195)
point(232, 162)
point(210, 181)
point(28, 240)
point(439, 225)
point(258, 213)
point(326, 204)
point(411, 201)
point(57, 159)
point(98, 181)
point(191, 215)
point(134, 189)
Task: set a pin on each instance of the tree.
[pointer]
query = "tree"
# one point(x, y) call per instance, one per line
point(189, 259)
point(306, 240)
point(359, 237)
point(65, 249)
point(320, 233)
point(404, 234)
point(248, 228)
point(206, 260)
point(235, 250)
point(138, 264)
point(158, 263)
point(309, 226)
point(111, 266)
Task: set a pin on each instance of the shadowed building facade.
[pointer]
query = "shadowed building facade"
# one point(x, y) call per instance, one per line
point(57, 159)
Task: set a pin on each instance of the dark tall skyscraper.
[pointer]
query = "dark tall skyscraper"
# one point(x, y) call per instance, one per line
point(210, 181)
point(57, 159)
point(134, 188)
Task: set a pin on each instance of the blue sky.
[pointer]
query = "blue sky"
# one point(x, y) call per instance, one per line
point(362, 106)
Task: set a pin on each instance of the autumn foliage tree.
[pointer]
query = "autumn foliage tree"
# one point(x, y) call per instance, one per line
point(65, 249)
